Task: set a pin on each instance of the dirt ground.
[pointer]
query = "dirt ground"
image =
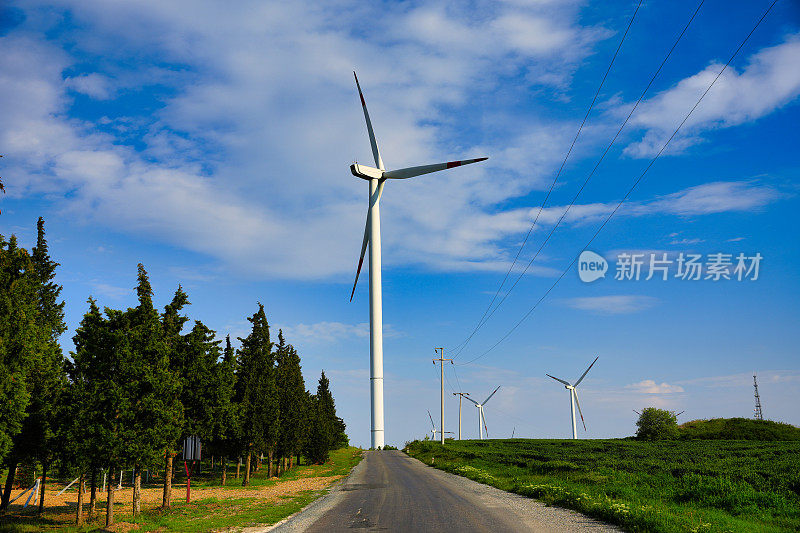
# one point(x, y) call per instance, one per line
point(63, 507)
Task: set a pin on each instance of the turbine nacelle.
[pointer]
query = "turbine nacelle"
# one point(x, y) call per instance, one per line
point(366, 172)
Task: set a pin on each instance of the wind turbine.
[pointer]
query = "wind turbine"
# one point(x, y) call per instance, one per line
point(433, 428)
point(377, 176)
point(573, 397)
point(481, 416)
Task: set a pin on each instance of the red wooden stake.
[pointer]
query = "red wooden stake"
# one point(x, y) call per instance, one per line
point(188, 482)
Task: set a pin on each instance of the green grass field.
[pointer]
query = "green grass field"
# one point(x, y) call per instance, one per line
point(668, 486)
point(232, 507)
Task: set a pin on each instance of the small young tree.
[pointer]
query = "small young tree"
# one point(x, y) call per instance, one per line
point(657, 424)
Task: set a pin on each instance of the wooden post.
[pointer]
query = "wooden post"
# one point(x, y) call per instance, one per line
point(79, 511)
point(246, 479)
point(166, 500)
point(41, 488)
point(110, 499)
point(137, 492)
point(93, 495)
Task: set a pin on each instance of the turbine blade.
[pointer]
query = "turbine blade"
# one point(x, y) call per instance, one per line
point(555, 378)
point(375, 198)
point(575, 392)
point(410, 172)
point(485, 428)
point(470, 399)
point(432, 424)
point(490, 396)
point(361, 257)
point(587, 371)
point(375, 153)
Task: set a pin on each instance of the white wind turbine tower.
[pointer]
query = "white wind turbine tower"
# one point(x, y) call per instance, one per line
point(377, 176)
point(573, 397)
point(481, 416)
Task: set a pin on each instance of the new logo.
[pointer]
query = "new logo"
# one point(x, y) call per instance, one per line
point(591, 266)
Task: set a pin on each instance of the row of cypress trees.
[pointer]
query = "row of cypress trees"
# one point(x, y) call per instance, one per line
point(138, 383)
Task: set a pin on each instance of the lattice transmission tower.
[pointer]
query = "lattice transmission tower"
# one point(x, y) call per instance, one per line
point(758, 414)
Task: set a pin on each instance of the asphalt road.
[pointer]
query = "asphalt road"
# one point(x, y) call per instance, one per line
point(390, 491)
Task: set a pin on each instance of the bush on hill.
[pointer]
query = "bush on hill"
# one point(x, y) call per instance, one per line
point(738, 429)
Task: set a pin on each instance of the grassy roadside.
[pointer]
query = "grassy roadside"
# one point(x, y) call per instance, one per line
point(213, 507)
point(641, 486)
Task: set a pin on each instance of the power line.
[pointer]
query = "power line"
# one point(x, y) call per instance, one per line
point(486, 317)
point(458, 382)
point(552, 185)
point(627, 194)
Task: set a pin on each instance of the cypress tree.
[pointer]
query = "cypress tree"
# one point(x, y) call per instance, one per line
point(96, 395)
point(226, 410)
point(255, 392)
point(154, 415)
point(196, 361)
point(321, 430)
point(49, 384)
point(172, 325)
point(19, 341)
point(42, 358)
point(292, 400)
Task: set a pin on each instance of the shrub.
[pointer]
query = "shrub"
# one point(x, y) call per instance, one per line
point(657, 424)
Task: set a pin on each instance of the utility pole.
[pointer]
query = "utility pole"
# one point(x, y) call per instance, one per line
point(460, 397)
point(440, 352)
point(757, 410)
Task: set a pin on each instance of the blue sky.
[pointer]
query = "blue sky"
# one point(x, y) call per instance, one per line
point(212, 143)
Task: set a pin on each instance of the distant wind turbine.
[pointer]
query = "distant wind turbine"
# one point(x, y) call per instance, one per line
point(573, 397)
point(481, 416)
point(433, 428)
point(377, 176)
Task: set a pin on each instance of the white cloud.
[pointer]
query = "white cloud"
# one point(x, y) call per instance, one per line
point(769, 81)
point(95, 85)
point(744, 380)
point(648, 386)
point(613, 305)
point(110, 291)
point(705, 199)
point(715, 197)
point(331, 332)
point(248, 161)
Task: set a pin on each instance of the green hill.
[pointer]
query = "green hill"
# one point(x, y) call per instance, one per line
point(738, 429)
